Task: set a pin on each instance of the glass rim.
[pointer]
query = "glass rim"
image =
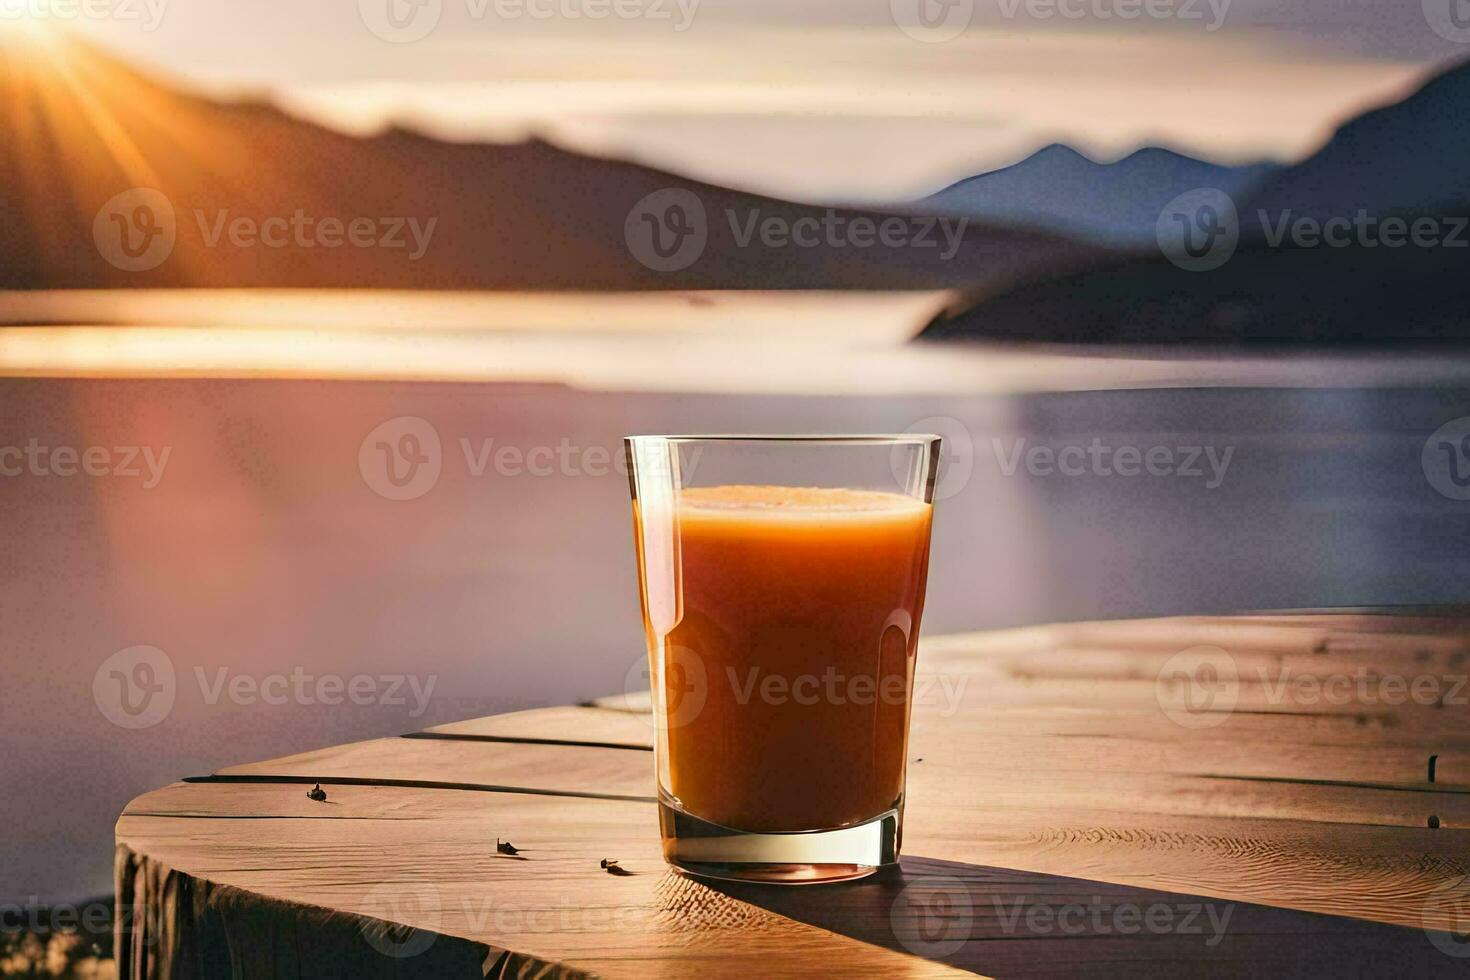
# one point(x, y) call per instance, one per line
point(872, 439)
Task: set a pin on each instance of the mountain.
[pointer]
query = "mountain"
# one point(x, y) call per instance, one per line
point(1413, 155)
point(1408, 163)
point(249, 196)
point(1354, 297)
point(1059, 189)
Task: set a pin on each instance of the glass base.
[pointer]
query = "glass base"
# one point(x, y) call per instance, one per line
point(709, 850)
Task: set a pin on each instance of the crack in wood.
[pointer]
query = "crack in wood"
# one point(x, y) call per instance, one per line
point(415, 784)
point(1389, 787)
point(519, 740)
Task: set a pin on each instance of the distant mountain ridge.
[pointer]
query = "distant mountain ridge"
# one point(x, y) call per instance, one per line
point(1410, 155)
point(1059, 189)
point(403, 210)
point(1409, 161)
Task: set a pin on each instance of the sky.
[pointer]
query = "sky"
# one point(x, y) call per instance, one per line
point(828, 101)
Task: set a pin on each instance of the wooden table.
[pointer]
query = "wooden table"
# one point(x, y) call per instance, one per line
point(1077, 805)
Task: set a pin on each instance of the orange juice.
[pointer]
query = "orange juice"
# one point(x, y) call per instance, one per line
point(790, 660)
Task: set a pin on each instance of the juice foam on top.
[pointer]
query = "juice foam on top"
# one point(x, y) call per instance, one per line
point(797, 501)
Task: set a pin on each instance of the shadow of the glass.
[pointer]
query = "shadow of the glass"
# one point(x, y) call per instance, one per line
point(1006, 923)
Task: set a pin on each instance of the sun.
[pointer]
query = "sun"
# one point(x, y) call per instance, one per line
point(31, 44)
point(27, 27)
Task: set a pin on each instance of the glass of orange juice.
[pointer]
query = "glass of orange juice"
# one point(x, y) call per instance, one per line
point(782, 582)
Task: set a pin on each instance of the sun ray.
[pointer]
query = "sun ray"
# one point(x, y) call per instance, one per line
point(115, 139)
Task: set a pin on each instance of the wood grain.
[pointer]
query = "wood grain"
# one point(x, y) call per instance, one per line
point(1046, 774)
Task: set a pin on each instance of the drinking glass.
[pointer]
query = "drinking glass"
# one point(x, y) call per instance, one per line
point(782, 583)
